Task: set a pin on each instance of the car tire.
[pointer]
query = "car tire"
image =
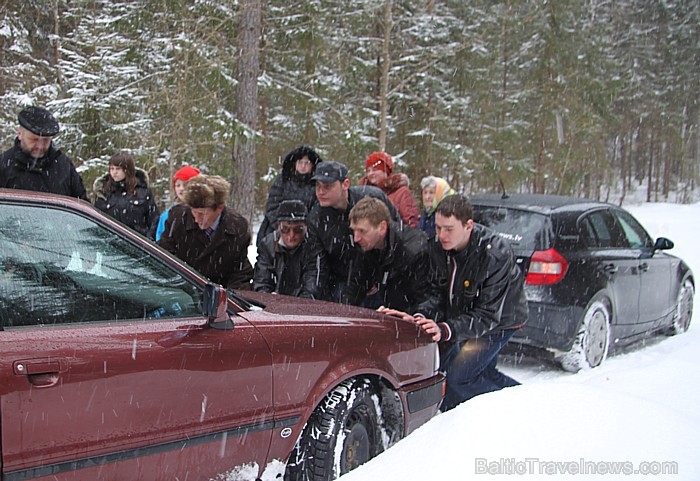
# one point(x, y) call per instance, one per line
point(590, 348)
point(684, 309)
point(344, 432)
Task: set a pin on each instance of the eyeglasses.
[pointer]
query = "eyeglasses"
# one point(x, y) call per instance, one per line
point(298, 229)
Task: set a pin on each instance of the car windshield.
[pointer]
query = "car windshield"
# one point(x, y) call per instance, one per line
point(523, 229)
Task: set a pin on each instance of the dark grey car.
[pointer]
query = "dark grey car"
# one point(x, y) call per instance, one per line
point(596, 280)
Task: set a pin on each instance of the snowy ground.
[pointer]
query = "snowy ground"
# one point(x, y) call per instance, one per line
point(636, 414)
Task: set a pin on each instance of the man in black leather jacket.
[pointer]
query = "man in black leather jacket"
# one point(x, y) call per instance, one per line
point(33, 163)
point(476, 302)
point(391, 269)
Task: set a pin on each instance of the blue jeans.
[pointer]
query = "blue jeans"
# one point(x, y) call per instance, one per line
point(470, 367)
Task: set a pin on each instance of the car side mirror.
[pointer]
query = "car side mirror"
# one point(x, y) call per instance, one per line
point(214, 307)
point(663, 244)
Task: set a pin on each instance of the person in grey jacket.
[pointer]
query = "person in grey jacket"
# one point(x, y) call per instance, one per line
point(475, 304)
point(280, 265)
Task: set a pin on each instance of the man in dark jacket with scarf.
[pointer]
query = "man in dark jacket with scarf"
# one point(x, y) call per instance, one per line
point(33, 163)
point(209, 236)
point(329, 249)
point(391, 270)
point(280, 264)
point(476, 302)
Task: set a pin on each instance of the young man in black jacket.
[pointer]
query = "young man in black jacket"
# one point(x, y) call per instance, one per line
point(33, 163)
point(476, 302)
point(391, 269)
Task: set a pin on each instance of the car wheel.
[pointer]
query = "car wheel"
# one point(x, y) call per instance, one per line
point(344, 432)
point(592, 341)
point(684, 309)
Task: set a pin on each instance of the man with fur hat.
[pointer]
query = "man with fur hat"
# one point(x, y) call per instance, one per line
point(33, 163)
point(280, 265)
point(330, 250)
point(379, 167)
point(209, 236)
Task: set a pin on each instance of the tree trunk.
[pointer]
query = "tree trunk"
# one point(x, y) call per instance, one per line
point(243, 153)
point(56, 49)
point(650, 169)
point(384, 76)
point(623, 169)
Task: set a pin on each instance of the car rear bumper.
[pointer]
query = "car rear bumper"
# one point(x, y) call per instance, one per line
point(422, 400)
point(549, 326)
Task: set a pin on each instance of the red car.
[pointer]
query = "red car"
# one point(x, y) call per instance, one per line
point(118, 362)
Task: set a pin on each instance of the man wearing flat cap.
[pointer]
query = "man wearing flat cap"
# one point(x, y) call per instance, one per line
point(33, 163)
point(330, 250)
point(279, 268)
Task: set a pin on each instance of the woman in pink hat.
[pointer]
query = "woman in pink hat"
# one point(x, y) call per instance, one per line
point(379, 167)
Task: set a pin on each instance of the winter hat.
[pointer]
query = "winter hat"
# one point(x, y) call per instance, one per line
point(206, 191)
point(329, 171)
point(292, 211)
point(38, 121)
point(185, 174)
point(381, 161)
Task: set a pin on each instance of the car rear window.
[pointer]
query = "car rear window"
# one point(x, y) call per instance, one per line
point(523, 229)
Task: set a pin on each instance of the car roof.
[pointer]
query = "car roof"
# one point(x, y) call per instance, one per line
point(542, 203)
point(40, 197)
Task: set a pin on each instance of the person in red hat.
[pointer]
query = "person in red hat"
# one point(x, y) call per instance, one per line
point(180, 180)
point(379, 167)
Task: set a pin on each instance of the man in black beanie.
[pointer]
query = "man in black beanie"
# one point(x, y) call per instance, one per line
point(280, 265)
point(33, 163)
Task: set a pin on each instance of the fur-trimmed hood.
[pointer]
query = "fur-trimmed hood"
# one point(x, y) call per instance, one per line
point(391, 184)
point(99, 184)
point(289, 162)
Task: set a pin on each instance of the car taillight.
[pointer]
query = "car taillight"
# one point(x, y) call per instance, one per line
point(546, 267)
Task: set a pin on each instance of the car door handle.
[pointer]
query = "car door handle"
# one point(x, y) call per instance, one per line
point(608, 268)
point(644, 267)
point(41, 372)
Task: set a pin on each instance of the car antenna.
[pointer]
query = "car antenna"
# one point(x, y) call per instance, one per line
point(504, 195)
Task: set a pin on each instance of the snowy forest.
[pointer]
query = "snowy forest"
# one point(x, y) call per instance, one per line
point(590, 98)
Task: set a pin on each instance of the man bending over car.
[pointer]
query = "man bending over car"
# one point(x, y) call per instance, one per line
point(476, 302)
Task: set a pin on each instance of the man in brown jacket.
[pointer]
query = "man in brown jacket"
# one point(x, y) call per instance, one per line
point(208, 236)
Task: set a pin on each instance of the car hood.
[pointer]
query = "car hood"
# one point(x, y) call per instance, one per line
point(298, 306)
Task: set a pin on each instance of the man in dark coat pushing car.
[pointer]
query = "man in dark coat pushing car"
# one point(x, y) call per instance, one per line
point(391, 268)
point(476, 302)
